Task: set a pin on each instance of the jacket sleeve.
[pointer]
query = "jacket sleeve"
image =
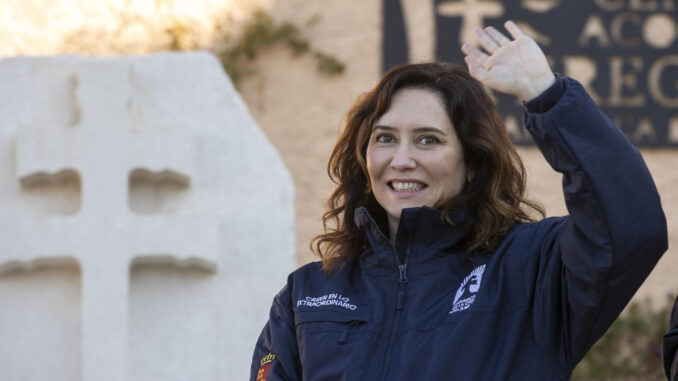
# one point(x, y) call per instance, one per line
point(276, 357)
point(592, 262)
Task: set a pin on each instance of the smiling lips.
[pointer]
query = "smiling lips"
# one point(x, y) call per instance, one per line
point(406, 186)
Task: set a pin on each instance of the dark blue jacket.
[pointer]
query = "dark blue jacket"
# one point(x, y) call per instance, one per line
point(528, 311)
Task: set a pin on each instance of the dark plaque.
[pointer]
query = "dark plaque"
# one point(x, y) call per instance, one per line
point(623, 51)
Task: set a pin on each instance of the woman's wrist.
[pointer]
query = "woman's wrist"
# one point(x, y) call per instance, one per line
point(548, 98)
point(537, 86)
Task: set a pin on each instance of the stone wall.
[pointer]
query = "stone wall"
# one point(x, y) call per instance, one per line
point(136, 191)
point(108, 27)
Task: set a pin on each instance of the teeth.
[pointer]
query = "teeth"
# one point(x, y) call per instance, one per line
point(406, 187)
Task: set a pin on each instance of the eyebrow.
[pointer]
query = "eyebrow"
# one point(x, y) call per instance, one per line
point(417, 129)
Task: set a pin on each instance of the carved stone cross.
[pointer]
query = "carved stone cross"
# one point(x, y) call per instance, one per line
point(105, 236)
point(472, 13)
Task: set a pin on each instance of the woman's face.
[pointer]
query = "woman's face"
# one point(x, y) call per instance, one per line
point(414, 157)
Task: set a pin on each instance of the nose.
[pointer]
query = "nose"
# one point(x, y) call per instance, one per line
point(403, 158)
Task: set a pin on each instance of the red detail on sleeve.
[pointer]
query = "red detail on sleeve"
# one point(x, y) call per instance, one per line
point(263, 372)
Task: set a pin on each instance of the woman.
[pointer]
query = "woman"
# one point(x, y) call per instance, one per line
point(435, 269)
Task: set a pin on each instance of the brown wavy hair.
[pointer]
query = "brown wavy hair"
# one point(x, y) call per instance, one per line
point(494, 195)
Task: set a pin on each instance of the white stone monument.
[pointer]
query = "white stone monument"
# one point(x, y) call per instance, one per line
point(146, 221)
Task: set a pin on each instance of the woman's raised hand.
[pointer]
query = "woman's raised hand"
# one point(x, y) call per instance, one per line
point(514, 66)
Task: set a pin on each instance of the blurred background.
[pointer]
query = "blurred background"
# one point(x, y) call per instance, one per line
point(300, 64)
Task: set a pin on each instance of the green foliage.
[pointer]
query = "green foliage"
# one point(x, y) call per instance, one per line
point(180, 37)
point(261, 32)
point(631, 348)
point(328, 64)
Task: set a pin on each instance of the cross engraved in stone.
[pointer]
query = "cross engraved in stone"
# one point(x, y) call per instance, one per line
point(103, 147)
point(472, 13)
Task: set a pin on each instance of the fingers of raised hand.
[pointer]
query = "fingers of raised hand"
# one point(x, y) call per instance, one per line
point(486, 41)
point(497, 36)
point(476, 54)
point(476, 70)
point(513, 29)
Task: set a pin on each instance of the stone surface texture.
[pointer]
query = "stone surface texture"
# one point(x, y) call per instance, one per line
point(107, 27)
point(146, 220)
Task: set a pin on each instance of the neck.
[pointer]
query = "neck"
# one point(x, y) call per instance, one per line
point(392, 228)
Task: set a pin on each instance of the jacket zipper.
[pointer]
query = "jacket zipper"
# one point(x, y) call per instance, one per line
point(402, 282)
point(400, 303)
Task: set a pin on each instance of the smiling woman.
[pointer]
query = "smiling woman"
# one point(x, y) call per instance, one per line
point(414, 157)
point(426, 135)
point(432, 267)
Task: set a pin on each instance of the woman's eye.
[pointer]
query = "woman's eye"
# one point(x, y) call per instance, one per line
point(383, 138)
point(429, 140)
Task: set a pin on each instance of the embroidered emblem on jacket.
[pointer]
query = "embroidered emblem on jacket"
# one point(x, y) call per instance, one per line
point(473, 282)
point(327, 300)
point(265, 363)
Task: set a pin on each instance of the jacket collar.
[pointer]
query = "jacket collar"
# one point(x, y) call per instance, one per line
point(422, 235)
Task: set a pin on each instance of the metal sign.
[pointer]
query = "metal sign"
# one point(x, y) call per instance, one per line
point(625, 52)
